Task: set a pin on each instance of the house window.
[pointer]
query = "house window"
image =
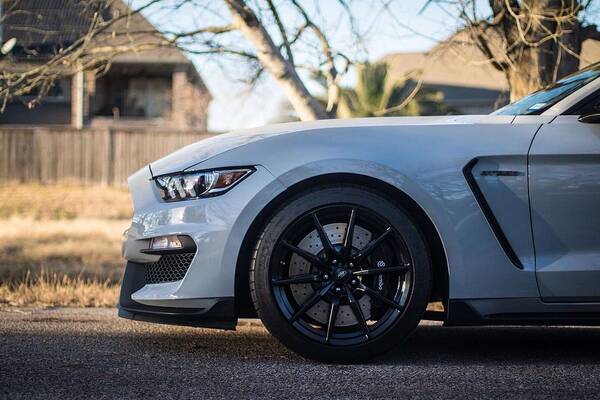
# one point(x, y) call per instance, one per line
point(132, 96)
point(148, 97)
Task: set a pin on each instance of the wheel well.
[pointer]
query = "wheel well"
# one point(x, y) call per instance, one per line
point(244, 306)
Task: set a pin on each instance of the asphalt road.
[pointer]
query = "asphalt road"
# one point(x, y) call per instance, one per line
point(92, 354)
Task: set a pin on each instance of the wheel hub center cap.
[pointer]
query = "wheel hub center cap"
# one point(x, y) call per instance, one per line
point(341, 275)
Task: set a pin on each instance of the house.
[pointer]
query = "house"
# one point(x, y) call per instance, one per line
point(468, 82)
point(158, 87)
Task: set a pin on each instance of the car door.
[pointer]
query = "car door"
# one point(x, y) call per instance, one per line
point(564, 185)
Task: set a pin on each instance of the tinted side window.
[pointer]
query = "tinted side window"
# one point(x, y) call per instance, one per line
point(589, 105)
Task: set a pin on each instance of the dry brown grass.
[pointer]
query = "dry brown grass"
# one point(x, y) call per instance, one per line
point(63, 202)
point(52, 290)
point(81, 247)
point(60, 245)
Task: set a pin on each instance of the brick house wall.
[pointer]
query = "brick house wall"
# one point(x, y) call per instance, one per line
point(189, 102)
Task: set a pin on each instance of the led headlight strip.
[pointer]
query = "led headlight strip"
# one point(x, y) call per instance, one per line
point(197, 184)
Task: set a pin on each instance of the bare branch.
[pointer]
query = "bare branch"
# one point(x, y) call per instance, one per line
point(282, 32)
point(533, 42)
point(270, 57)
point(331, 73)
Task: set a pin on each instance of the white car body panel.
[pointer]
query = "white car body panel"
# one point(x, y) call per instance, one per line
point(289, 155)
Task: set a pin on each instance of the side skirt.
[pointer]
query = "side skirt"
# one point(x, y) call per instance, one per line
point(520, 311)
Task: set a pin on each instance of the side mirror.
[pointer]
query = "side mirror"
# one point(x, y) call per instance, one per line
point(592, 118)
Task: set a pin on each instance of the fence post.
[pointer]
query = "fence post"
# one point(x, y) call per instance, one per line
point(111, 155)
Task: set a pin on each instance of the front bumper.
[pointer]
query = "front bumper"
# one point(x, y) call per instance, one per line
point(207, 313)
point(217, 225)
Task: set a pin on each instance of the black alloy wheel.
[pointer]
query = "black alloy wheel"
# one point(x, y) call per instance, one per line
point(340, 274)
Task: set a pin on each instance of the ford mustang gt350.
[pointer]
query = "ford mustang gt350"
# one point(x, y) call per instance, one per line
point(338, 234)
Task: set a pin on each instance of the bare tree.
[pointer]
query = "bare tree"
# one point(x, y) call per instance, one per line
point(533, 42)
point(280, 37)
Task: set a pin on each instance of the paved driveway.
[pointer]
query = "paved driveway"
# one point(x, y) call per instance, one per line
point(92, 354)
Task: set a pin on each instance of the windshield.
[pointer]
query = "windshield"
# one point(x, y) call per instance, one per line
point(540, 101)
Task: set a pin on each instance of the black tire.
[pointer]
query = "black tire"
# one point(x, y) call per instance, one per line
point(297, 334)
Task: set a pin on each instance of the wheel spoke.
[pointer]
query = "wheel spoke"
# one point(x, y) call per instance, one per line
point(379, 271)
point(333, 312)
point(372, 245)
point(302, 278)
point(355, 305)
point(380, 297)
point(314, 299)
point(312, 258)
point(347, 249)
point(340, 274)
point(327, 246)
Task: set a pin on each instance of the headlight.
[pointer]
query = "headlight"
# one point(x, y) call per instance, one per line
point(196, 184)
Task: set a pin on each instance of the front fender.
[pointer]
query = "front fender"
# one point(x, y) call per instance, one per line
point(425, 163)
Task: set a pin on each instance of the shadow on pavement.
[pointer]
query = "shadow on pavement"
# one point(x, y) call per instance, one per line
point(523, 345)
point(428, 344)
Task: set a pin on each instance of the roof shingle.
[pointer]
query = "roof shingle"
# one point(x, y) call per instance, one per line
point(42, 27)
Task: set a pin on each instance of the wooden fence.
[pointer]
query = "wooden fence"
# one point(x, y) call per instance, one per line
point(92, 156)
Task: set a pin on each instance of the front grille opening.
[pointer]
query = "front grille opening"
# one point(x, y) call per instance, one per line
point(169, 268)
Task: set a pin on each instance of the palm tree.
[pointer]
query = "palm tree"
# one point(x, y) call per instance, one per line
point(376, 94)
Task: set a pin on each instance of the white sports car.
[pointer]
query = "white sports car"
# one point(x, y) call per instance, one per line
point(338, 234)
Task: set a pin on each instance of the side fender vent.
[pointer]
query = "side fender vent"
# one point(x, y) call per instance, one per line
point(488, 213)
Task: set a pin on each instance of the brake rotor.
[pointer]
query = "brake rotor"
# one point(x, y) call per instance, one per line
point(298, 265)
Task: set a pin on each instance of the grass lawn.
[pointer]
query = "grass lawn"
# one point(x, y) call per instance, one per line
point(60, 245)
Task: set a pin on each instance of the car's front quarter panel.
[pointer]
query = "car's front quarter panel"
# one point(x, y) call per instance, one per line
point(216, 225)
point(425, 162)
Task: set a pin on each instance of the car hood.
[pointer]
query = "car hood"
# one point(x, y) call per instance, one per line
point(193, 154)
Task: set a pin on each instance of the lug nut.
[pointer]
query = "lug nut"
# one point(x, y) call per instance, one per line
point(351, 265)
point(334, 261)
point(338, 289)
point(354, 281)
point(325, 276)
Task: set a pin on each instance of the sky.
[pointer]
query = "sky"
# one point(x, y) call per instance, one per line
point(237, 105)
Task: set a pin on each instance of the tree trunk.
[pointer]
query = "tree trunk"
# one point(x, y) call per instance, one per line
point(269, 55)
point(536, 57)
point(540, 66)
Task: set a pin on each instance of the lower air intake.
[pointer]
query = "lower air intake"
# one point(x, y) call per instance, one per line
point(169, 268)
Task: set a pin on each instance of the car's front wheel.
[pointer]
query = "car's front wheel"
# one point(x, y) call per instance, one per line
point(340, 274)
